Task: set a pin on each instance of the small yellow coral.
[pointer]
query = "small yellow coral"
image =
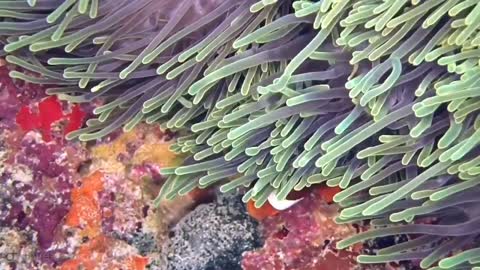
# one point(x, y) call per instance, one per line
point(157, 153)
point(106, 154)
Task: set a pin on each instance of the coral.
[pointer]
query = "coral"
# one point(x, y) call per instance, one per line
point(213, 236)
point(15, 94)
point(35, 176)
point(123, 204)
point(303, 237)
point(35, 187)
point(105, 253)
point(145, 146)
point(50, 113)
point(40, 225)
point(15, 252)
point(379, 98)
point(93, 212)
point(85, 211)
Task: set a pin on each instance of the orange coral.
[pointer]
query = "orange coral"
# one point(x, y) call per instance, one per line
point(85, 211)
point(97, 252)
point(136, 263)
point(95, 255)
point(88, 255)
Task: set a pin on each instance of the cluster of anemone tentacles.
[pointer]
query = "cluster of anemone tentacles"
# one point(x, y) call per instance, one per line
point(379, 97)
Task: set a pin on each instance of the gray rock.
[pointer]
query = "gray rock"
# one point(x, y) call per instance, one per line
point(212, 237)
point(144, 242)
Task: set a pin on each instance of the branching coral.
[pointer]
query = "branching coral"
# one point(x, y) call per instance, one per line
point(377, 97)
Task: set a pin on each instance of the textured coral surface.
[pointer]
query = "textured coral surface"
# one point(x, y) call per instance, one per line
point(67, 204)
point(303, 237)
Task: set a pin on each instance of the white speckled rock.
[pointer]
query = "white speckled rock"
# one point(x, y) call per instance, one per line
point(213, 236)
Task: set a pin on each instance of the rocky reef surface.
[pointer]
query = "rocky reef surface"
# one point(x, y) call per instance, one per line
point(213, 236)
point(67, 204)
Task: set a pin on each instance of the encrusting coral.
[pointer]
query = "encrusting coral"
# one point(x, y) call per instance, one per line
point(378, 97)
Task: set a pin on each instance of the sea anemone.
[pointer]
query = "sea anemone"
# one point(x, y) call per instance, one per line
point(377, 97)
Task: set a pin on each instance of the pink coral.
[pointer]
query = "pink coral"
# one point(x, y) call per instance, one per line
point(302, 237)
